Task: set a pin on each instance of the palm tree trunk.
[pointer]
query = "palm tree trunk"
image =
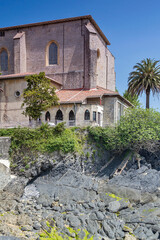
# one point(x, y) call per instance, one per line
point(147, 99)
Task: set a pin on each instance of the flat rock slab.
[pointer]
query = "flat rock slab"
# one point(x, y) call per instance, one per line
point(143, 179)
point(71, 186)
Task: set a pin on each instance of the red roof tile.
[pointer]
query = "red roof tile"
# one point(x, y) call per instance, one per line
point(79, 96)
point(16, 75)
point(22, 75)
point(71, 96)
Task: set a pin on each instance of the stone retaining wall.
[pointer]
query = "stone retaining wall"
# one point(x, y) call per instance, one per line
point(5, 143)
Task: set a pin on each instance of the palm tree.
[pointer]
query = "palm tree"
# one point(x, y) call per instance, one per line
point(145, 78)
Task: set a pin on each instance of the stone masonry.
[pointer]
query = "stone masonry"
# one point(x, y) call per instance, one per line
point(83, 61)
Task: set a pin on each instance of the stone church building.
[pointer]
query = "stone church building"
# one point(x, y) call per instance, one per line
point(74, 55)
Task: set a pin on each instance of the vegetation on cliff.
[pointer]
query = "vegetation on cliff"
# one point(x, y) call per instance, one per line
point(138, 129)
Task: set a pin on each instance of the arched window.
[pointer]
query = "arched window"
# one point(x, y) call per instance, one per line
point(3, 60)
point(87, 115)
point(53, 54)
point(71, 115)
point(48, 116)
point(59, 115)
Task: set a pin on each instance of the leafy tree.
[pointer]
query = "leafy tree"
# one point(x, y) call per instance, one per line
point(137, 129)
point(132, 98)
point(145, 78)
point(38, 96)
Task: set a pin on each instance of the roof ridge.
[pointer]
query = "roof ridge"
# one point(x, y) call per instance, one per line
point(60, 21)
point(47, 22)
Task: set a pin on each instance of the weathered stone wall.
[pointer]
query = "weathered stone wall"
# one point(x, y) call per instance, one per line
point(109, 111)
point(111, 114)
point(101, 68)
point(5, 143)
point(78, 63)
point(37, 39)
point(98, 66)
point(79, 110)
point(111, 76)
point(11, 111)
point(7, 43)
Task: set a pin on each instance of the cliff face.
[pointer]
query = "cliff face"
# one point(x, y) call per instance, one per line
point(76, 190)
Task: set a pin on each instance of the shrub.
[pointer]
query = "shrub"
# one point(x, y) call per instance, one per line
point(137, 129)
point(66, 141)
point(59, 128)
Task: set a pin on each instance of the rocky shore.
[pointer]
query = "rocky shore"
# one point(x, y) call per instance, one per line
point(69, 191)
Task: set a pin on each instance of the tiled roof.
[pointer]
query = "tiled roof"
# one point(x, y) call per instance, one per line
point(89, 17)
point(16, 75)
point(22, 75)
point(78, 96)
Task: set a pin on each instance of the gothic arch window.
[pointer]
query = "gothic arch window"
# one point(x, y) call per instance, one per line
point(3, 60)
point(52, 53)
point(47, 116)
point(59, 115)
point(71, 115)
point(87, 115)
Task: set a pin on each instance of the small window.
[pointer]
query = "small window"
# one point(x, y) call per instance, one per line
point(2, 33)
point(3, 61)
point(17, 94)
point(53, 53)
point(87, 115)
point(94, 116)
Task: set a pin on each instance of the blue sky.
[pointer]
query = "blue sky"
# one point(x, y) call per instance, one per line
point(132, 27)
